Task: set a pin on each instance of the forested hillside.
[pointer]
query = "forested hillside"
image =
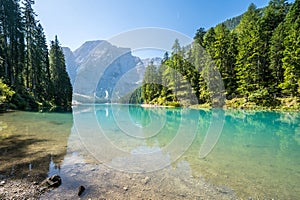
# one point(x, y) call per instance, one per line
point(30, 74)
point(259, 62)
point(232, 23)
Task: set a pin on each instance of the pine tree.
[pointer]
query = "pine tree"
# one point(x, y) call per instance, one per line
point(291, 59)
point(199, 36)
point(30, 32)
point(12, 43)
point(250, 69)
point(224, 48)
point(208, 41)
point(42, 76)
point(276, 56)
point(259, 59)
point(198, 59)
point(150, 87)
point(211, 86)
point(62, 89)
point(176, 63)
point(273, 15)
point(24, 59)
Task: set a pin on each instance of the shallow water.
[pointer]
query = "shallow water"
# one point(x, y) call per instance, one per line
point(123, 151)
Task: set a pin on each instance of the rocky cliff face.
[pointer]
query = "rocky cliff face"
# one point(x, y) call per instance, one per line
point(101, 71)
point(97, 66)
point(71, 64)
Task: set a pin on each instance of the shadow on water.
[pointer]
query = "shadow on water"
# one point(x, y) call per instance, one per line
point(32, 143)
point(17, 162)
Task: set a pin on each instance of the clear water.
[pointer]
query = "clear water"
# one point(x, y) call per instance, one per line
point(245, 153)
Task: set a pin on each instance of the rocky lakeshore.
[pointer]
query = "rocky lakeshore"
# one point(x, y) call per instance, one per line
point(19, 189)
point(100, 182)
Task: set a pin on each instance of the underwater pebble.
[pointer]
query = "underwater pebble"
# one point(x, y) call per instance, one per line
point(146, 180)
point(81, 189)
point(2, 183)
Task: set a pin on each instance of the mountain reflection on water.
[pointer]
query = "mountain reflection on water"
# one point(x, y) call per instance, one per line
point(257, 154)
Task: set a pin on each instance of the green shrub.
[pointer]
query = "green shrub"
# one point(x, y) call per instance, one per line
point(24, 102)
point(173, 104)
point(5, 93)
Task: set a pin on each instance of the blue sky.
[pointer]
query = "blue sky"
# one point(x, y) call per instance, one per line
point(77, 21)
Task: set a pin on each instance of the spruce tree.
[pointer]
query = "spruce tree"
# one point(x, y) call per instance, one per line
point(291, 54)
point(276, 56)
point(249, 65)
point(42, 76)
point(62, 89)
point(12, 43)
point(224, 49)
point(30, 32)
point(273, 15)
point(199, 36)
point(150, 86)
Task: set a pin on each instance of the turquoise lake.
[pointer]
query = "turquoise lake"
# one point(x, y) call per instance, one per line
point(196, 154)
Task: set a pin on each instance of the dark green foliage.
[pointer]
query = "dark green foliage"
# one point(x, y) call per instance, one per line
point(199, 36)
point(24, 101)
point(136, 97)
point(24, 59)
point(43, 78)
point(12, 43)
point(61, 84)
point(291, 53)
point(271, 35)
point(150, 88)
point(175, 82)
point(224, 51)
point(276, 56)
point(249, 60)
point(257, 55)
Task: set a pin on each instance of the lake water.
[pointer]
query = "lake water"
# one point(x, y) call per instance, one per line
point(130, 152)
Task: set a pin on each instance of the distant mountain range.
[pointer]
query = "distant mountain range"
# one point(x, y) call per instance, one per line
point(99, 69)
point(104, 70)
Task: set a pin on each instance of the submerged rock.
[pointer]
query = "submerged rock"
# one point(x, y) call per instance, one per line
point(125, 188)
point(2, 183)
point(50, 182)
point(81, 189)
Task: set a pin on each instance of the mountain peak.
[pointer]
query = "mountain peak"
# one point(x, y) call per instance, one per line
point(111, 63)
point(87, 47)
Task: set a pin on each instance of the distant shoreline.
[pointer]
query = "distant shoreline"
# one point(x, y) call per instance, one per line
point(155, 106)
point(284, 104)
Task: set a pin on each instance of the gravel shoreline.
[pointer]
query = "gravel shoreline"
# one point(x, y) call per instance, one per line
point(19, 189)
point(104, 183)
